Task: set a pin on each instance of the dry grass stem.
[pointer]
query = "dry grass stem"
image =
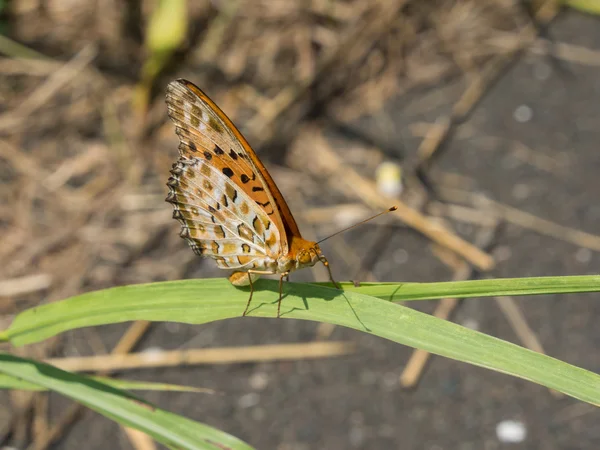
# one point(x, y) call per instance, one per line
point(139, 440)
point(524, 219)
point(174, 358)
point(519, 324)
point(415, 365)
point(25, 285)
point(347, 180)
point(56, 81)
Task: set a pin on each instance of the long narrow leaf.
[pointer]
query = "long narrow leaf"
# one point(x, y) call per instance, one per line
point(207, 300)
point(202, 301)
point(165, 427)
point(10, 382)
point(476, 288)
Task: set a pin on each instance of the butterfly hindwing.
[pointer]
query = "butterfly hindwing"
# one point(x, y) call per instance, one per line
point(218, 219)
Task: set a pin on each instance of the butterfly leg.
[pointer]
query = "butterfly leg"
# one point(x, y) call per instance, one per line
point(250, 273)
point(285, 275)
point(251, 292)
point(326, 264)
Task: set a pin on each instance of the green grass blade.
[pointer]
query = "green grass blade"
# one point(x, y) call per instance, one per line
point(165, 427)
point(587, 6)
point(202, 301)
point(10, 382)
point(476, 288)
point(207, 300)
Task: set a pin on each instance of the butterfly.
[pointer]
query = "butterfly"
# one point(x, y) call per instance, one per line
point(229, 207)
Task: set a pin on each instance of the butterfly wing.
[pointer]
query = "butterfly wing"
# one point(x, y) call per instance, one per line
point(205, 132)
point(218, 197)
point(218, 219)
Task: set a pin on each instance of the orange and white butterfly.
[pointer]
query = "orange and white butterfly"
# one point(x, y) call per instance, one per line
point(229, 207)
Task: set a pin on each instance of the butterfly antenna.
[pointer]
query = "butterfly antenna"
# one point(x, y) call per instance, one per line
point(393, 208)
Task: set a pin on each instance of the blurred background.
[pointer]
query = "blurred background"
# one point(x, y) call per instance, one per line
point(478, 118)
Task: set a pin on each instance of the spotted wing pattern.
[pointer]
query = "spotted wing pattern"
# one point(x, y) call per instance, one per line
point(223, 204)
point(206, 133)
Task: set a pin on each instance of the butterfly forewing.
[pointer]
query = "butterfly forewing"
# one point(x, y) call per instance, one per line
point(207, 134)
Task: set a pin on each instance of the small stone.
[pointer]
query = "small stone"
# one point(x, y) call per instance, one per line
point(523, 114)
point(511, 431)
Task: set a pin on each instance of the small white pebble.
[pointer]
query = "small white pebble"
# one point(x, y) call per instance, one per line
point(259, 380)
point(249, 400)
point(511, 431)
point(523, 113)
point(583, 255)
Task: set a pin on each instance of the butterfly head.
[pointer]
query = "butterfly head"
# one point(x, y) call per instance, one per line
point(302, 254)
point(309, 257)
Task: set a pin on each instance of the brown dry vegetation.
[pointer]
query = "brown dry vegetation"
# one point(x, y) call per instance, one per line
point(83, 174)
